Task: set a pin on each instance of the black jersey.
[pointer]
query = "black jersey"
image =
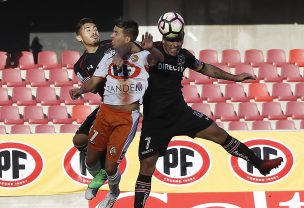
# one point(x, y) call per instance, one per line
point(164, 90)
point(87, 63)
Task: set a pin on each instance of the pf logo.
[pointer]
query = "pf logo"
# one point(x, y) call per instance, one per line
point(264, 148)
point(185, 162)
point(20, 164)
point(74, 166)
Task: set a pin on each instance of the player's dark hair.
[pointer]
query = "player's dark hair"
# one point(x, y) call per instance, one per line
point(130, 27)
point(81, 22)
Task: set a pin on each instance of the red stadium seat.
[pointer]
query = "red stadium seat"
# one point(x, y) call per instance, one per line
point(191, 94)
point(4, 97)
point(282, 91)
point(259, 92)
point(92, 99)
point(237, 125)
point(47, 96)
point(80, 113)
point(261, 125)
point(66, 98)
point(249, 112)
point(231, 57)
point(21, 129)
point(245, 68)
point(12, 78)
point(75, 79)
point(295, 110)
point(45, 128)
point(199, 78)
point(225, 112)
point(68, 128)
point(291, 73)
point(273, 111)
point(48, 60)
point(2, 129)
point(269, 73)
point(296, 56)
point(69, 58)
point(60, 78)
point(285, 124)
point(23, 96)
point(299, 91)
point(34, 115)
point(26, 60)
point(212, 93)
point(203, 108)
point(11, 115)
point(254, 57)
point(235, 93)
point(277, 57)
point(4, 60)
point(208, 56)
point(59, 115)
point(36, 78)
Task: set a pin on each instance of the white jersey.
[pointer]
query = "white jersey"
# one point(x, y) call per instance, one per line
point(125, 85)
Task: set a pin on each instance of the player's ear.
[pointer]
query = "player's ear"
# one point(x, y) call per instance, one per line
point(78, 37)
point(127, 39)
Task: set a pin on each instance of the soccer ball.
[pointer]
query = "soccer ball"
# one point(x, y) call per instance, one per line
point(171, 24)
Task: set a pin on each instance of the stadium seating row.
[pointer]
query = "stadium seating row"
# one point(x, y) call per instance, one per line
point(23, 96)
point(254, 57)
point(235, 92)
point(46, 59)
point(230, 57)
point(72, 128)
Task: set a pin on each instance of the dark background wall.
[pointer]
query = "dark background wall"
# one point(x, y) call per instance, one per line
point(21, 20)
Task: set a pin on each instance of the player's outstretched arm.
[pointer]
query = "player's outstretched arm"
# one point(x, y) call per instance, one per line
point(89, 86)
point(155, 55)
point(215, 72)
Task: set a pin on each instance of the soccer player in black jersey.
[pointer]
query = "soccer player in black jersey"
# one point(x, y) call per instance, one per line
point(166, 114)
point(88, 35)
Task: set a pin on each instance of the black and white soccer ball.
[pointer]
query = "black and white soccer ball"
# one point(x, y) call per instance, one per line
point(171, 24)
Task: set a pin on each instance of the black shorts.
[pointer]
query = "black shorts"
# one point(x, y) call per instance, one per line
point(86, 125)
point(157, 132)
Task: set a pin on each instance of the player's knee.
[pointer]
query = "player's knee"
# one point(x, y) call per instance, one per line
point(80, 141)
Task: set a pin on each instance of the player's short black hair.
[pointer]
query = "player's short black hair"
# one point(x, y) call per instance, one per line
point(130, 27)
point(81, 22)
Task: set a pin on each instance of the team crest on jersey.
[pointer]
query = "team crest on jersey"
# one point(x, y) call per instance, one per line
point(180, 60)
point(113, 151)
point(134, 58)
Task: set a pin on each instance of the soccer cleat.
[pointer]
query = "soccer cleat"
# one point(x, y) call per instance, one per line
point(109, 200)
point(95, 184)
point(267, 165)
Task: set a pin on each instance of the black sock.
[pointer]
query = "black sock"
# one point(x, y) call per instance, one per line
point(142, 190)
point(238, 149)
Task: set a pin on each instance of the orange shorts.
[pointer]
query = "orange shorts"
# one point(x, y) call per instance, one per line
point(113, 130)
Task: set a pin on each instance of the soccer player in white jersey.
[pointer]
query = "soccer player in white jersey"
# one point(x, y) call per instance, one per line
point(115, 125)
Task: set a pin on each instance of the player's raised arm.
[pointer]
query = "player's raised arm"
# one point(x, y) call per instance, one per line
point(155, 55)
